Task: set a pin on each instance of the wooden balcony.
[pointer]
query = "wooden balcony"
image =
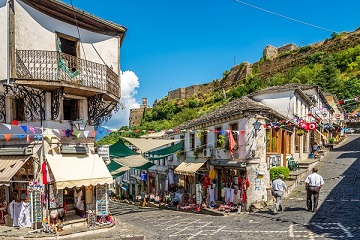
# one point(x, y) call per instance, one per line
point(48, 70)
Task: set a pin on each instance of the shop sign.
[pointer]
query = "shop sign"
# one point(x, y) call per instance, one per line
point(103, 152)
point(198, 193)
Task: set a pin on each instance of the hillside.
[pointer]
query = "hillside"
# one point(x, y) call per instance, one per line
point(332, 64)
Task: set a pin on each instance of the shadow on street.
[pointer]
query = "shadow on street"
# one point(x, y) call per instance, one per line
point(339, 214)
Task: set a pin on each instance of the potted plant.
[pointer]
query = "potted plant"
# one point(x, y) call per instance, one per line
point(221, 141)
point(300, 132)
point(331, 140)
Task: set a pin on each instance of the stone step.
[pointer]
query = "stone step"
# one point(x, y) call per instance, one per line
point(71, 212)
point(70, 206)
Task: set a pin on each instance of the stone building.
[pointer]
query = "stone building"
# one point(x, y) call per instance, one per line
point(59, 81)
point(137, 114)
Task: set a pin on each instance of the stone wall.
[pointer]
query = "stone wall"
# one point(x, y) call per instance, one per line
point(286, 48)
point(270, 52)
point(275, 63)
point(176, 94)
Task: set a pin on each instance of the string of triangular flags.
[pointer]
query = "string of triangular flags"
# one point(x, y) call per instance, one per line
point(22, 131)
point(347, 100)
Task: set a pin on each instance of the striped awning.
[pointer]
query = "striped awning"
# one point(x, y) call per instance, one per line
point(9, 165)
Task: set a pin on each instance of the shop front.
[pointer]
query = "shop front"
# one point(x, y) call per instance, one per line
point(190, 193)
point(16, 195)
point(232, 185)
point(78, 187)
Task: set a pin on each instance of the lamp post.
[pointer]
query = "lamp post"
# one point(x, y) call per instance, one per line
point(80, 124)
point(257, 126)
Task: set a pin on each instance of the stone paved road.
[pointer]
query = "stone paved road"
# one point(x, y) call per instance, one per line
point(338, 216)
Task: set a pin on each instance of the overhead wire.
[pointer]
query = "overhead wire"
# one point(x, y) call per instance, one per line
point(286, 17)
point(77, 27)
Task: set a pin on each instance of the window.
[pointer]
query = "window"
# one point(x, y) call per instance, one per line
point(234, 127)
point(192, 141)
point(71, 109)
point(204, 139)
point(19, 109)
point(69, 47)
point(297, 143)
point(272, 138)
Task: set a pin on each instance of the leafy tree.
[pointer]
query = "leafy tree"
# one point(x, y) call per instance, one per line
point(328, 77)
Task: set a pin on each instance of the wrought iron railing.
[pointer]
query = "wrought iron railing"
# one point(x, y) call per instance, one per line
point(55, 66)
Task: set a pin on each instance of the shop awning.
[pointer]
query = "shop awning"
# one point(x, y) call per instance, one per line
point(149, 144)
point(190, 166)
point(135, 161)
point(230, 164)
point(158, 168)
point(116, 169)
point(76, 170)
point(154, 135)
point(169, 150)
point(119, 172)
point(119, 149)
point(9, 165)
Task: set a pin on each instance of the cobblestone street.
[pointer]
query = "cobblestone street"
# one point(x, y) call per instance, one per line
point(337, 218)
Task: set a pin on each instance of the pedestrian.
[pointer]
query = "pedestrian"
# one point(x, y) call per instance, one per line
point(278, 187)
point(313, 184)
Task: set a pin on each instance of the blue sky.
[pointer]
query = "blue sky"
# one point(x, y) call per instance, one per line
point(174, 44)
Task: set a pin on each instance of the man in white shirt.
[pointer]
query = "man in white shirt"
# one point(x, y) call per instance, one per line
point(278, 187)
point(313, 184)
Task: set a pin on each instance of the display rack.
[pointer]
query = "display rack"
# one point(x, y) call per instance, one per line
point(101, 200)
point(35, 202)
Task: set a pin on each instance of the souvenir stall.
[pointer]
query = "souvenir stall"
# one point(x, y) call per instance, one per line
point(230, 190)
point(191, 194)
point(81, 193)
point(16, 180)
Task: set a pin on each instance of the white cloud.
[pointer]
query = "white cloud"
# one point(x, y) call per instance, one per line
point(129, 83)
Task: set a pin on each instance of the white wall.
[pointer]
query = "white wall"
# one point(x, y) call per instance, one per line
point(36, 31)
point(3, 39)
point(280, 102)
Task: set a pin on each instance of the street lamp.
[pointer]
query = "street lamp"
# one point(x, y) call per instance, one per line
point(80, 124)
point(257, 126)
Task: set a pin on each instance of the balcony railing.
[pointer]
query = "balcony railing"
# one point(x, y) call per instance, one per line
point(55, 66)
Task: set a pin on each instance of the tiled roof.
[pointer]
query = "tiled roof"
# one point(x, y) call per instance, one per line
point(240, 105)
point(281, 88)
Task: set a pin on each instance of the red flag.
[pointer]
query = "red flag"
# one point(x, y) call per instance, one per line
point(15, 122)
point(312, 126)
point(28, 138)
point(232, 143)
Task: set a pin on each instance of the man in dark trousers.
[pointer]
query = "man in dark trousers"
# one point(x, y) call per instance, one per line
point(313, 184)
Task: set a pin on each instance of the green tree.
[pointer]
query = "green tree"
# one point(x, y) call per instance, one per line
point(328, 77)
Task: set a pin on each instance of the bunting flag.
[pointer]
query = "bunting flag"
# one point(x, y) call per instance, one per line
point(232, 143)
point(7, 125)
point(86, 133)
point(32, 129)
point(24, 128)
point(77, 133)
point(7, 137)
point(15, 123)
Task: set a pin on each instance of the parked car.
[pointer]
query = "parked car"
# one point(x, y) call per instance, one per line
point(349, 130)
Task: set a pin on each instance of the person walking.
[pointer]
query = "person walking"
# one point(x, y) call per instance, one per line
point(313, 184)
point(278, 187)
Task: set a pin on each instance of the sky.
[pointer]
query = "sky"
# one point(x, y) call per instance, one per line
point(176, 44)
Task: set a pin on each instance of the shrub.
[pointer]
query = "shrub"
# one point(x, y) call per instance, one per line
point(275, 171)
point(331, 140)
